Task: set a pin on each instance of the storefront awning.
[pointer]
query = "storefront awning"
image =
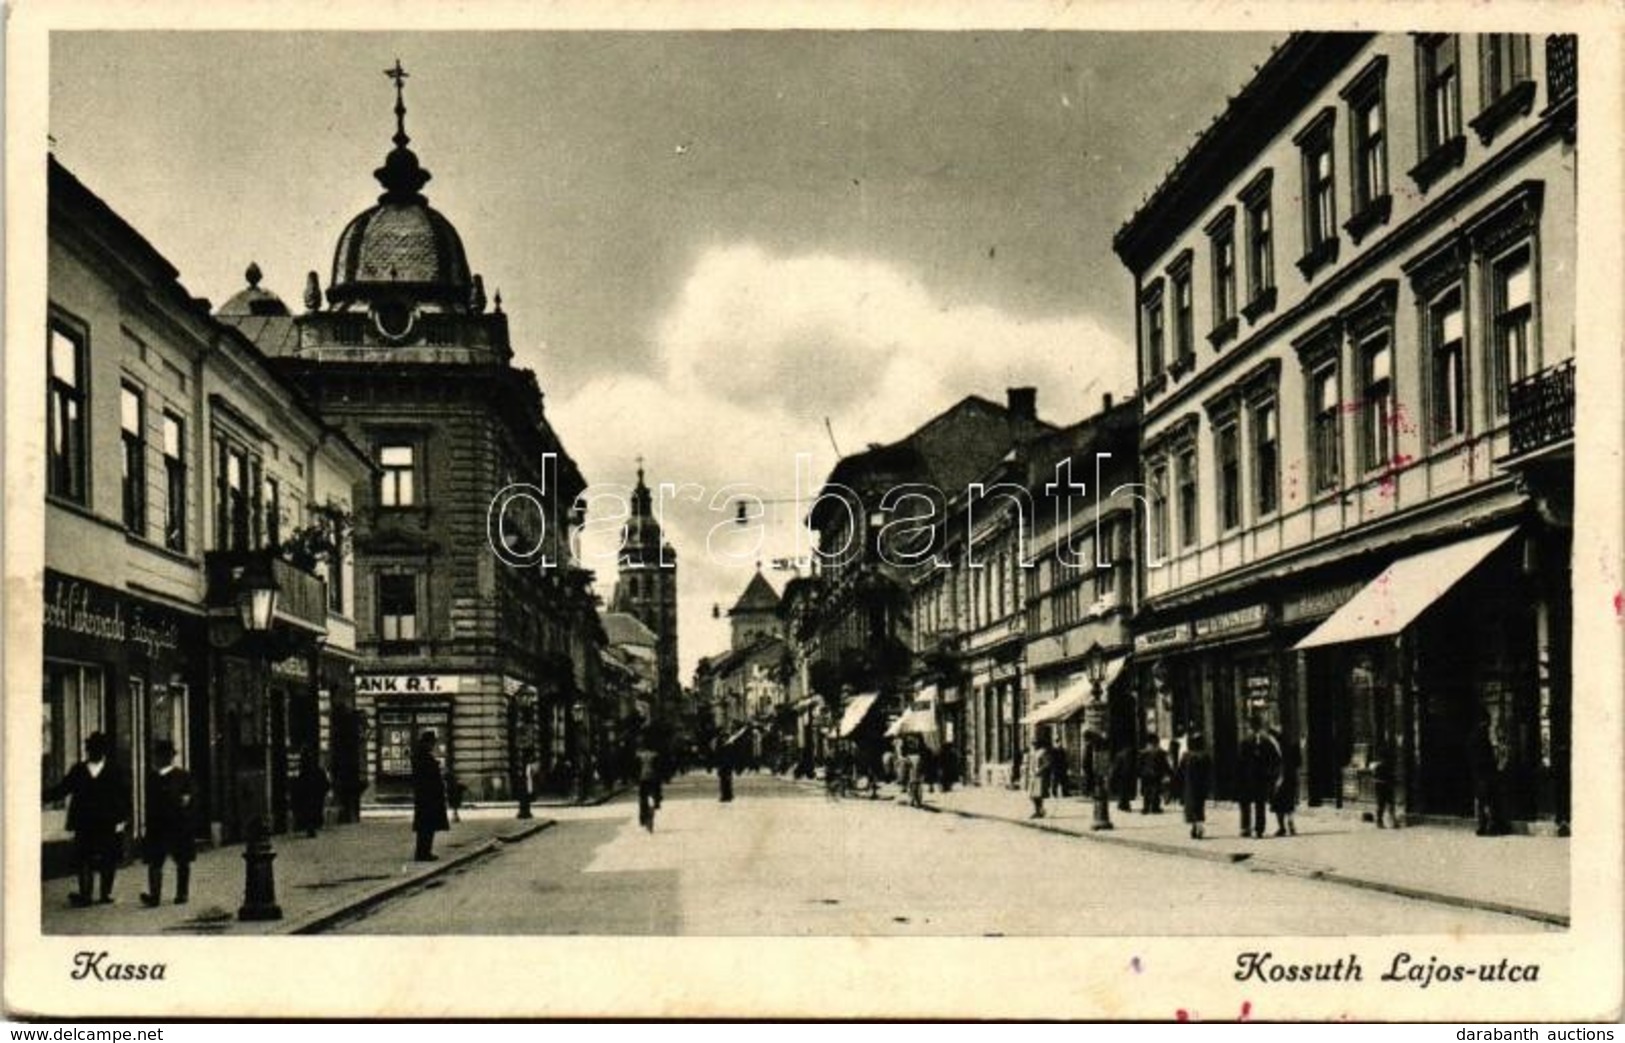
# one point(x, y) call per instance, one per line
point(1076, 695)
point(914, 722)
point(856, 711)
point(1393, 601)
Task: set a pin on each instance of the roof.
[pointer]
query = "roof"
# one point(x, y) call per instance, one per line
point(1288, 80)
point(759, 596)
point(623, 628)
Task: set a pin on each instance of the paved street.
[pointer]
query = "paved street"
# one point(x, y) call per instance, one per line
point(784, 860)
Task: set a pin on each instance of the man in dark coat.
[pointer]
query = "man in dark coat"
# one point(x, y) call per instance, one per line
point(1484, 766)
point(310, 788)
point(725, 772)
point(1154, 774)
point(169, 826)
point(1123, 777)
point(1259, 764)
point(428, 798)
point(1196, 777)
point(98, 811)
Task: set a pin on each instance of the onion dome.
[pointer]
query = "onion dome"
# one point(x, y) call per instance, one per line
point(251, 300)
point(402, 248)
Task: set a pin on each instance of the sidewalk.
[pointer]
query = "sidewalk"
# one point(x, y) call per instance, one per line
point(341, 870)
point(1519, 875)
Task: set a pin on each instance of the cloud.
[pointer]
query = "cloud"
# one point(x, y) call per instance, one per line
point(757, 349)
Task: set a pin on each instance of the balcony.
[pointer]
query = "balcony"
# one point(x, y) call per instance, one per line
point(1562, 67)
point(301, 597)
point(1542, 409)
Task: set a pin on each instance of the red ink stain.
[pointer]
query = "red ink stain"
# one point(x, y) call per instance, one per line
point(1182, 1014)
point(1246, 1010)
point(1135, 963)
point(1619, 604)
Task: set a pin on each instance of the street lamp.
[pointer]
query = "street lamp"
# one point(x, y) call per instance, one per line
point(1094, 665)
point(256, 598)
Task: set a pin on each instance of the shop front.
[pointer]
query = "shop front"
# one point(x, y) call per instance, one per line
point(123, 665)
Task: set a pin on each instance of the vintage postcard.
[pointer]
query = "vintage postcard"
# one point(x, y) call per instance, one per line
point(872, 511)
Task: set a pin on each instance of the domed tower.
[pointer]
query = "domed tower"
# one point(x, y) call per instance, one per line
point(647, 586)
point(453, 633)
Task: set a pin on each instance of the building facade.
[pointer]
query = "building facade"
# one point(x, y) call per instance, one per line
point(176, 458)
point(473, 621)
point(1356, 349)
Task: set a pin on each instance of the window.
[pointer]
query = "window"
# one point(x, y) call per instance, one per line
point(1513, 304)
point(237, 499)
point(1154, 333)
point(174, 482)
point(273, 512)
point(1266, 459)
point(1441, 91)
point(397, 608)
point(65, 417)
point(1505, 58)
point(74, 708)
point(1187, 497)
point(1228, 442)
point(335, 564)
point(1328, 407)
point(1447, 343)
point(395, 485)
point(1260, 246)
point(132, 422)
point(1320, 214)
point(1377, 402)
point(1159, 513)
point(1224, 273)
point(1180, 279)
point(1370, 141)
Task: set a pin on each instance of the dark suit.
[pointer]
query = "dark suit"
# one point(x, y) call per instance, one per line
point(169, 832)
point(428, 801)
point(97, 806)
point(1259, 761)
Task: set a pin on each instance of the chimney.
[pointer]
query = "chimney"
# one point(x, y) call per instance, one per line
point(1105, 403)
point(1022, 403)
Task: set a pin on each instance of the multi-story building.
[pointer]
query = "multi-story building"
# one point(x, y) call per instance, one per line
point(484, 632)
point(176, 459)
point(647, 588)
point(1356, 327)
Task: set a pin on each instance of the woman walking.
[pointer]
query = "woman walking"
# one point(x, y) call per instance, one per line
point(1284, 801)
point(428, 798)
point(1196, 773)
point(1039, 775)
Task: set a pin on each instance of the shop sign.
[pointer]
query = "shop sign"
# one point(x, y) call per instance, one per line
point(408, 684)
point(1315, 604)
point(89, 610)
point(295, 666)
point(1250, 618)
point(1164, 637)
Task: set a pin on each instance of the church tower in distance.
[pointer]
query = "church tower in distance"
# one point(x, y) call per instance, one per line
point(647, 587)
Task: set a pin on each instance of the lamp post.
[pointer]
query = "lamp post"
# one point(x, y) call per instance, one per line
point(522, 707)
point(1094, 665)
point(256, 597)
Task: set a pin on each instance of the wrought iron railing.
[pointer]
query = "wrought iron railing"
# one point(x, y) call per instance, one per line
point(1542, 408)
point(1562, 68)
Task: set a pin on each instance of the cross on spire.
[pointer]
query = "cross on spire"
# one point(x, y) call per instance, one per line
point(399, 75)
point(640, 468)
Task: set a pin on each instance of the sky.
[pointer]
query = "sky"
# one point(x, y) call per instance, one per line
point(719, 251)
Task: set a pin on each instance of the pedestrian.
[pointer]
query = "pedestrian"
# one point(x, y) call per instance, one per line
point(1284, 801)
point(455, 792)
point(98, 811)
point(1039, 775)
point(1196, 777)
point(648, 784)
point(1259, 766)
point(948, 766)
point(928, 767)
point(1176, 782)
point(169, 826)
point(916, 774)
point(905, 772)
point(1058, 770)
point(1483, 764)
point(1382, 773)
point(310, 788)
point(1123, 776)
point(725, 773)
point(428, 798)
point(1154, 773)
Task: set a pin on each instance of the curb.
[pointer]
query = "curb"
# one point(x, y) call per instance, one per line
point(1283, 868)
point(316, 923)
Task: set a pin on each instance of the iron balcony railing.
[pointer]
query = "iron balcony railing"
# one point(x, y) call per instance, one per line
point(301, 596)
point(1542, 408)
point(1562, 69)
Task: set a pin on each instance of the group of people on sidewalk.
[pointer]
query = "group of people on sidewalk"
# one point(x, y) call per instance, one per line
point(1268, 766)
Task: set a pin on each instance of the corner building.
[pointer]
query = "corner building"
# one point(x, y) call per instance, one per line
point(498, 659)
point(1356, 327)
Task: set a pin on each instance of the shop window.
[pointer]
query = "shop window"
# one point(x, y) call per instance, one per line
point(132, 424)
point(1447, 349)
point(65, 416)
point(397, 608)
point(1515, 350)
point(398, 468)
point(74, 707)
point(174, 482)
point(1376, 402)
